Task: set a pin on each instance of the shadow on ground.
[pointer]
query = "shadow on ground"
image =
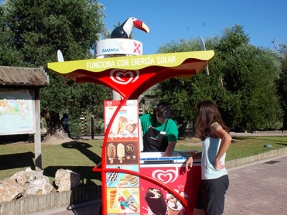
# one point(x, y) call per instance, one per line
point(86, 173)
point(12, 161)
point(84, 149)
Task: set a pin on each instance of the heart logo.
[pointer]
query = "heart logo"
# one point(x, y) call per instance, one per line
point(124, 76)
point(167, 176)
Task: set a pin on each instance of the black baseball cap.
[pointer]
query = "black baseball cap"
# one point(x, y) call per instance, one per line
point(163, 110)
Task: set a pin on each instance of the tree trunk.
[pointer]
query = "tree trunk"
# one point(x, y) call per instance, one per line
point(54, 125)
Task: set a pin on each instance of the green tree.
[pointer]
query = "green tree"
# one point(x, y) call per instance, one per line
point(183, 94)
point(8, 52)
point(41, 27)
point(36, 29)
point(250, 75)
point(242, 82)
point(282, 83)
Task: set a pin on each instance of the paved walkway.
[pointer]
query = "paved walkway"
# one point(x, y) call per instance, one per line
point(258, 188)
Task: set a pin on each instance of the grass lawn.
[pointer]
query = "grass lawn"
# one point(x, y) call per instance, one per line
point(243, 146)
point(82, 156)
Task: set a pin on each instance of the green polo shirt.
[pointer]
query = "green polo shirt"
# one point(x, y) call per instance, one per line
point(171, 130)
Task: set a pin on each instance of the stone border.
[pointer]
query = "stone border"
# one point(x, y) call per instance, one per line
point(33, 204)
point(250, 159)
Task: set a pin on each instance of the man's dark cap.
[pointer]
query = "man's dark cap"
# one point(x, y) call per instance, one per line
point(163, 110)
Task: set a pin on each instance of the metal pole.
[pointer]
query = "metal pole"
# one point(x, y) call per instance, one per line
point(92, 127)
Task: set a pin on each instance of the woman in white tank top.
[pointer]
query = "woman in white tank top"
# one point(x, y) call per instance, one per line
point(215, 137)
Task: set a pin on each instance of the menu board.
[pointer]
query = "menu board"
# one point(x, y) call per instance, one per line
point(17, 112)
point(123, 194)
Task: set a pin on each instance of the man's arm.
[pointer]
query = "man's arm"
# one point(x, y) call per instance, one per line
point(170, 148)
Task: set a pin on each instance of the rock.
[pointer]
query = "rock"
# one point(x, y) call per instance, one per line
point(66, 180)
point(268, 145)
point(10, 189)
point(40, 186)
point(24, 177)
point(29, 182)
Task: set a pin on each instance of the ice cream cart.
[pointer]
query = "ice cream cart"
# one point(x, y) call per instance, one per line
point(135, 182)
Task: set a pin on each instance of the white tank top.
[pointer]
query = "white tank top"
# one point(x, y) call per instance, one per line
point(210, 148)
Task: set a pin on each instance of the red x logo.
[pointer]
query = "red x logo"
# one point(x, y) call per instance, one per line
point(137, 48)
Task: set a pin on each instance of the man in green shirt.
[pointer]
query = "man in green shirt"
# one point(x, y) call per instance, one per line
point(160, 133)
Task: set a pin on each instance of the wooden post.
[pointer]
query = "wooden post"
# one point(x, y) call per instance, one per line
point(37, 135)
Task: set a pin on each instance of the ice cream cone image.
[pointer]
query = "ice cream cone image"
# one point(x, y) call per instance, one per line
point(122, 122)
point(113, 194)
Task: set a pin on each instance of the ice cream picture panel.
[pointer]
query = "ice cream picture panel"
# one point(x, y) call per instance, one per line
point(125, 152)
point(120, 180)
point(123, 200)
point(122, 152)
point(125, 124)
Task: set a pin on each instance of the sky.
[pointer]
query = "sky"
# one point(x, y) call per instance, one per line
point(171, 20)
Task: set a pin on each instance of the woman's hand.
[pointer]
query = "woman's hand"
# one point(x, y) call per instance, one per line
point(218, 165)
point(189, 163)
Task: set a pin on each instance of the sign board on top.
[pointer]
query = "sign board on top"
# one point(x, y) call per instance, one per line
point(117, 72)
point(130, 62)
point(110, 47)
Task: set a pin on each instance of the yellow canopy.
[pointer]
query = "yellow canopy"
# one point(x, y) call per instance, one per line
point(137, 72)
